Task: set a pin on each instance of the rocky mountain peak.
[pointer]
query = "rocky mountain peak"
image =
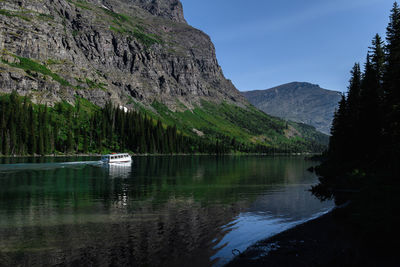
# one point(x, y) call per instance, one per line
point(298, 101)
point(128, 51)
point(169, 9)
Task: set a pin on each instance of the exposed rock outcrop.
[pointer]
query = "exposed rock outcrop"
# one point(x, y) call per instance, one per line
point(129, 51)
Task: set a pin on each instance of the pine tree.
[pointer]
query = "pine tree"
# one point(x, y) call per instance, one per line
point(85, 147)
point(369, 120)
point(377, 52)
point(6, 143)
point(142, 143)
point(350, 120)
point(45, 125)
point(70, 142)
point(391, 86)
point(353, 95)
point(32, 132)
point(1, 128)
point(23, 128)
point(40, 142)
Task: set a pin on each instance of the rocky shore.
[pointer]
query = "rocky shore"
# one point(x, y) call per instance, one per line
point(329, 240)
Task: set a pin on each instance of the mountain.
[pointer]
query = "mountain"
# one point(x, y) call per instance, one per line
point(298, 101)
point(140, 54)
point(124, 50)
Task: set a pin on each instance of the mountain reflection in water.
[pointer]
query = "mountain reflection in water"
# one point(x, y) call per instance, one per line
point(159, 211)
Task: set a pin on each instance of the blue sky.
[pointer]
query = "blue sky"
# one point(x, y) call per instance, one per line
point(264, 43)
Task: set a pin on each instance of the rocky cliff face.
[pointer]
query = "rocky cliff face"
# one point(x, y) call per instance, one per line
point(301, 102)
point(129, 51)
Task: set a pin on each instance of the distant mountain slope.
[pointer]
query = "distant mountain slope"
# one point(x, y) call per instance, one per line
point(298, 101)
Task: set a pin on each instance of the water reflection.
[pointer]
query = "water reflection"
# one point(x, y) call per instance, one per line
point(271, 213)
point(121, 170)
point(160, 211)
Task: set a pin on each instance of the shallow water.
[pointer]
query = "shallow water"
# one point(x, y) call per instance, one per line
point(169, 211)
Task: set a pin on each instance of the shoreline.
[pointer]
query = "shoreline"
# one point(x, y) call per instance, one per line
point(146, 155)
point(329, 240)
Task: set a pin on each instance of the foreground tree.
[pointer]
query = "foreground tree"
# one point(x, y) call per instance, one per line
point(391, 89)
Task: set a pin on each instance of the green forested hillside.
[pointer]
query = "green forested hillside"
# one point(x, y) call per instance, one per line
point(28, 129)
point(245, 127)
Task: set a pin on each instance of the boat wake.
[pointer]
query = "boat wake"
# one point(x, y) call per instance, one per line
point(47, 166)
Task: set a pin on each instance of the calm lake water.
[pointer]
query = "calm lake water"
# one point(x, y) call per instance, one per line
point(161, 211)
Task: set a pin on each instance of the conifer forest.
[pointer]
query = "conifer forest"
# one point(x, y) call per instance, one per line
point(30, 129)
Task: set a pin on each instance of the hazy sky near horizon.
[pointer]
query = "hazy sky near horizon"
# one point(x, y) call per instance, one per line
point(262, 44)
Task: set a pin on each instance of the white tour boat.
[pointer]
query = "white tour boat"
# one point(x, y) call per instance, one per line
point(123, 158)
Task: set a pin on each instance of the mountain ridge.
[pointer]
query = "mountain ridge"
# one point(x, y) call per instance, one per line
point(298, 101)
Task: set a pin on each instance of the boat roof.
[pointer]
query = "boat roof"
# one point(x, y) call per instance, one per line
point(116, 154)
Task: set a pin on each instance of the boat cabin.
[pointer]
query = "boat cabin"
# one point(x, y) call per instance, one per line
point(116, 158)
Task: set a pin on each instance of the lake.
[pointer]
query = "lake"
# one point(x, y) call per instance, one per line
point(161, 211)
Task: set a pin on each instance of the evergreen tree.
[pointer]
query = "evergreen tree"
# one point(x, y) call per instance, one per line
point(85, 147)
point(365, 143)
point(351, 119)
point(45, 125)
point(337, 141)
point(391, 86)
point(369, 122)
point(378, 59)
point(353, 96)
point(40, 143)
point(32, 132)
point(6, 143)
point(142, 143)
